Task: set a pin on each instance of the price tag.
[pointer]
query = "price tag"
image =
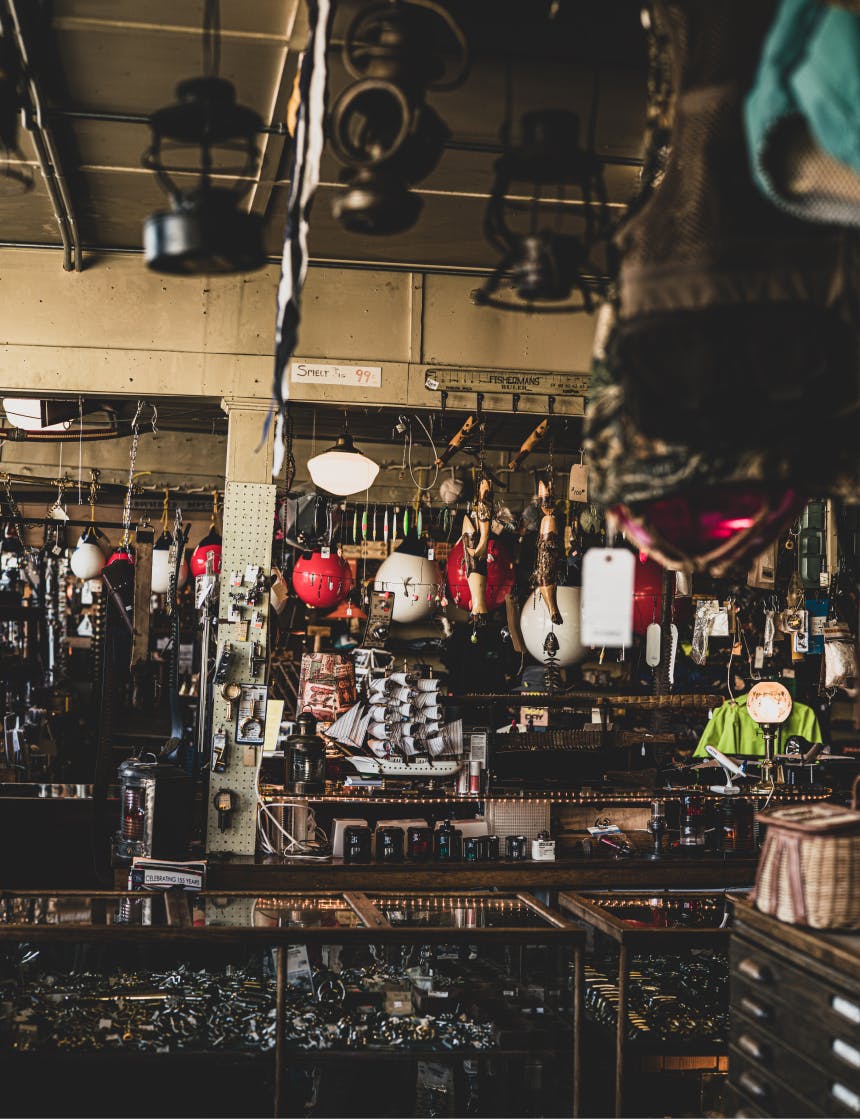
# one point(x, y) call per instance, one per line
point(431, 553)
point(325, 552)
point(577, 489)
point(249, 755)
point(251, 573)
point(758, 661)
point(607, 597)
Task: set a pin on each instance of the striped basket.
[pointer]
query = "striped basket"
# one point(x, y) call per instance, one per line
point(809, 870)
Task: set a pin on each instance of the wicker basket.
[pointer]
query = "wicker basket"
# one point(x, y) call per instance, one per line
point(809, 870)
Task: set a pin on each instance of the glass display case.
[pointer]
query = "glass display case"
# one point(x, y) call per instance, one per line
point(459, 1003)
point(656, 982)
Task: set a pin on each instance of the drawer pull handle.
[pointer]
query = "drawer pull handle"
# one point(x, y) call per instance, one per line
point(845, 1096)
point(751, 968)
point(751, 1047)
point(849, 1010)
point(756, 1009)
point(754, 1086)
point(846, 1052)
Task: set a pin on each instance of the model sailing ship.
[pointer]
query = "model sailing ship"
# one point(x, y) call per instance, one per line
point(397, 729)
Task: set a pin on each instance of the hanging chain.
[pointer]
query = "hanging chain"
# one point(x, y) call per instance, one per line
point(94, 492)
point(132, 459)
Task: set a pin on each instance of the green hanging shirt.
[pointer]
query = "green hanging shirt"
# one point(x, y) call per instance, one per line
point(732, 731)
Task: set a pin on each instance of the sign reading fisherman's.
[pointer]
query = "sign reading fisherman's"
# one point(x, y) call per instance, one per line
point(350, 376)
point(491, 380)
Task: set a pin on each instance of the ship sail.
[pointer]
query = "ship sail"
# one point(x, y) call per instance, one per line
point(399, 725)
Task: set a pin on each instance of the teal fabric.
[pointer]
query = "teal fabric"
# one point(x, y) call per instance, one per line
point(810, 66)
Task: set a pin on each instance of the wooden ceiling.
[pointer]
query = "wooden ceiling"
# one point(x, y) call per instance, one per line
point(101, 69)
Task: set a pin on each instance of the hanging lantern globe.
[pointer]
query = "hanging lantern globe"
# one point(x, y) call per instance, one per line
point(711, 529)
point(535, 624)
point(161, 564)
point(647, 593)
point(411, 580)
point(500, 575)
point(88, 558)
point(122, 553)
point(205, 231)
point(322, 581)
point(210, 544)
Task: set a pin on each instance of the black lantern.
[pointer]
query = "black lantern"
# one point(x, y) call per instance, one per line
point(543, 263)
point(204, 231)
point(305, 758)
point(381, 127)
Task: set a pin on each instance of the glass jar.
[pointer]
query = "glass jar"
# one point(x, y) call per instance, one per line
point(389, 845)
point(356, 843)
point(419, 843)
point(447, 843)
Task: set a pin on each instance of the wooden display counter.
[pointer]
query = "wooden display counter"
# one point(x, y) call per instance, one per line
point(267, 872)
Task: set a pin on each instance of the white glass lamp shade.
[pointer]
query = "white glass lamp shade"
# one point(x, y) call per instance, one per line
point(88, 559)
point(161, 564)
point(343, 469)
point(769, 702)
point(31, 414)
point(413, 581)
point(535, 624)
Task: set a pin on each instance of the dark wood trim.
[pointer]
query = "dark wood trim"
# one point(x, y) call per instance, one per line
point(621, 1027)
point(366, 911)
point(270, 874)
point(281, 1078)
point(548, 914)
point(660, 940)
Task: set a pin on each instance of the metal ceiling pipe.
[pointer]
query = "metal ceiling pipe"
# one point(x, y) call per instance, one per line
point(46, 152)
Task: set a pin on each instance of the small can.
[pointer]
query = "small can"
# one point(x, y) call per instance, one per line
point(419, 843)
point(515, 847)
point(389, 845)
point(493, 848)
point(356, 844)
point(471, 849)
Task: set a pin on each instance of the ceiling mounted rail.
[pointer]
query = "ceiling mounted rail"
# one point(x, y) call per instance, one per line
point(46, 149)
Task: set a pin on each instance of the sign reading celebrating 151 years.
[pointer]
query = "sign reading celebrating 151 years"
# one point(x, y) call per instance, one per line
point(322, 373)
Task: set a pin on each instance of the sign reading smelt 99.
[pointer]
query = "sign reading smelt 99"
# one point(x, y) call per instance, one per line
point(325, 373)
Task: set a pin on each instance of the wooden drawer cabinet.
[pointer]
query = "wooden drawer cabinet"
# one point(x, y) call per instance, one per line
point(795, 1019)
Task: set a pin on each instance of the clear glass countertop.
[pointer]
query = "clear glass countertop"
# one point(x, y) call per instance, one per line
point(457, 911)
point(313, 910)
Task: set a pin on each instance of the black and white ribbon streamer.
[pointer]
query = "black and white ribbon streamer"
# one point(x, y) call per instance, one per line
point(304, 179)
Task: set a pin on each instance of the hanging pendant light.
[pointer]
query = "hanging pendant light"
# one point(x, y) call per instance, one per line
point(88, 558)
point(542, 261)
point(381, 127)
point(211, 543)
point(343, 469)
point(161, 552)
point(205, 232)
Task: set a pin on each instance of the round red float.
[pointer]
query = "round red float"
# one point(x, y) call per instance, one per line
point(211, 542)
point(647, 594)
point(322, 582)
point(500, 575)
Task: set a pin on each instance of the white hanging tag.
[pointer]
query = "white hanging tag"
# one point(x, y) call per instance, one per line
point(607, 597)
point(758, 661)
point(652, 645)
point(577, 489)
point(673, 642)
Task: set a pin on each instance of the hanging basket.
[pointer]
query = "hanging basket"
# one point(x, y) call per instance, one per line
point(809, 870)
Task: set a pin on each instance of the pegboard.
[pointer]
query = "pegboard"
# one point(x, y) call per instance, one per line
point(517, 818)
point(249, 515)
